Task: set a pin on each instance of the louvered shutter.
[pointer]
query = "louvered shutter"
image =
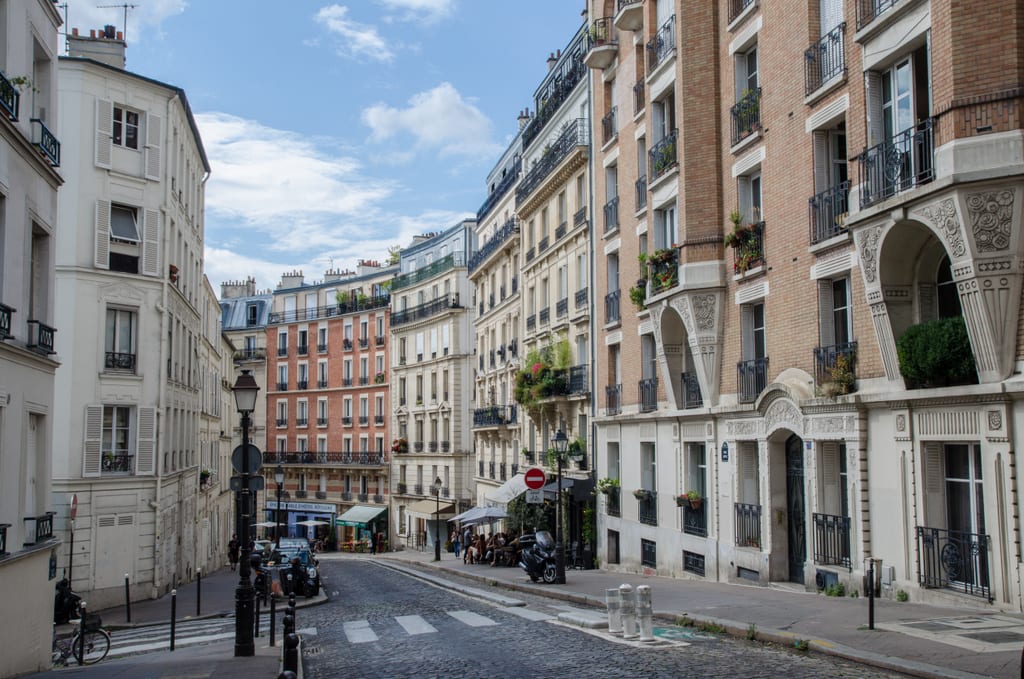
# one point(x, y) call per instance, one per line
point(744, 195)
point(821, 178)
point(151, 243)
point(145, 447)
point(928, 303)
point(154, 137)
point(830, 491)
point(749, 494)
point(747, 332)
point(104, 133)
point(93, 436)
point(934, 495)
point(873, 93)
point(101, 249)
point(831, 15)
point(826, 327)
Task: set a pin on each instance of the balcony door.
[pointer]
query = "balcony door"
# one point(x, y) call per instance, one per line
point(795, 501)
point(965, 513)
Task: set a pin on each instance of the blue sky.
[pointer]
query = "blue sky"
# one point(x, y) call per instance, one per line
point(336, 130)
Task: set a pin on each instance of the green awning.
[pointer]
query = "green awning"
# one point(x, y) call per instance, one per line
point(360, 515)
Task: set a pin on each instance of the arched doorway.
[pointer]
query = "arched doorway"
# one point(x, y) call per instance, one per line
point(795, 504)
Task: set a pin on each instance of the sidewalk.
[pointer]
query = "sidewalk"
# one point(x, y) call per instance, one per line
point(947, 642)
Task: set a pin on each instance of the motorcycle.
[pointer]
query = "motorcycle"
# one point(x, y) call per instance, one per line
point(261, 578)
point(300, 579)
point(538, 556)
point(66, 604)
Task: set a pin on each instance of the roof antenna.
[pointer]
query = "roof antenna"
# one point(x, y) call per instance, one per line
point(126, 7)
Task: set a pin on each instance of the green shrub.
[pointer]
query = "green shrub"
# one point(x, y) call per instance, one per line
point(901, 595)
point(937, 354)
point(837, 589)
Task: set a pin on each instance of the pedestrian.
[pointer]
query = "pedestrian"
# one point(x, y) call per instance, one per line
point(373, 543)
point(467, 543)
point(456, 544)
point(233, 551)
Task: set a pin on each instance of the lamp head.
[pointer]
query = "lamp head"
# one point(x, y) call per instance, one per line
point(279, 475)
point(559, 442)
point(245, 391)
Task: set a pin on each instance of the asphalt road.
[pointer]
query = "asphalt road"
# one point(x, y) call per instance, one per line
point(382, 623)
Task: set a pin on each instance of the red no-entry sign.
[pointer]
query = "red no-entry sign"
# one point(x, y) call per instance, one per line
point(535, 478)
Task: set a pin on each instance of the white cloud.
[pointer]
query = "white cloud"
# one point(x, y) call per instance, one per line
point(437, 119)
point(357, 40)
point(428, 10)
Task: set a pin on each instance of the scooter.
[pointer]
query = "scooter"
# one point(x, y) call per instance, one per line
point(65, 603)
point(538, 556)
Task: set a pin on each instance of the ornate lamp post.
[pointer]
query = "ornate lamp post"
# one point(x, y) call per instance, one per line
point(245, 391)
point(279, 479)
point(560, 443)
point(437, 518)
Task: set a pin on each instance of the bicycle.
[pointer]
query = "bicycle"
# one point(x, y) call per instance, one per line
point(96, 642)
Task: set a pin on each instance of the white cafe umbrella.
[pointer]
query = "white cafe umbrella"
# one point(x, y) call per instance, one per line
point(265, 524)
point(311, 522)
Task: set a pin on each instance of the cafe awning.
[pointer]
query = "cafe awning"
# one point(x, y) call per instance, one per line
point(426, 508)
point(360, 515)
point(509, 490)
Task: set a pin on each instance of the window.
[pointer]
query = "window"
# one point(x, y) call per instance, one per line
point(947, 297)
point(282, 376)
point(834, 306)
point(829, 205)
point(120, 340)
point(753, 331)
point(748, 188)
point(123, 224)
point(116, 443)
point(126, 128)
point(752, 371)
point(665, 227)
point(251, 314)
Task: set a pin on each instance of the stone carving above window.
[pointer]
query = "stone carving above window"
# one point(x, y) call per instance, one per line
point(991, 216)
point(943, 216)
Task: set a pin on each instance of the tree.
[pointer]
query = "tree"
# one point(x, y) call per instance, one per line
point(394, 253)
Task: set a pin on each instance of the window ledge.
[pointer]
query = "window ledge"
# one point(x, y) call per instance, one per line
point(610, 143)
point(742, 17)
point(883, 20)
point(829, 86)
point(746, 141)
point(750, 273)
point(663, 179)
point(120, 376)
point(611, 232)
point(830, 243)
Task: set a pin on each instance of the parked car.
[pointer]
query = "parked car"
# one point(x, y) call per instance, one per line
point(307, 579)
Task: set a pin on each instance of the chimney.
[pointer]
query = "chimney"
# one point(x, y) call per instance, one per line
point(552, 60)
point(367, 266)
point(293, 279)
point(524, 117)
point(335, 275)
point(236, 289)
point(107, 46)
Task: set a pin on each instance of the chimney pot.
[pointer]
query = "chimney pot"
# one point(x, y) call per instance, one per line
point(74, 32)
point(120, 35)
point(92, 32)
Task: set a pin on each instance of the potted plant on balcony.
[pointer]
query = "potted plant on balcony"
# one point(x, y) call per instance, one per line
point(400, 445)
point(204, 477)
point(841, 376)
point(642, 494)
point(638, 293)
point(743, 239)
point(691, 498)
point(607, 486)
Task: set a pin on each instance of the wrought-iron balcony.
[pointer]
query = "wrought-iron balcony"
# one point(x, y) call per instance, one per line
point(531, 322)
point(350, 306)
point(364, 342)
point(281, 422)
point(603, 43)
point(899, 164)
point(530, 254)
point(578, 383)
point(574, 136)
point(630, 15)
point(638, 97)
point(954, 560)
point(827, 211)
point(662, 44)
point(647, 394)
point(506, 183)
point(364, 420)
point(426, 310)
point(418, 446)
point(581, 298)
point(827, 366)
point(562, 308)
point(663, 269)
point(542, 245)
point(647, 507)
point(302, 384)
point(641, 192)
point(346, 381)
point(748, 525)
point(561, 230)
point(364, 380)
point(825, 60)
point(446, 263)
point(282, 350)
point(302, 349)
point(691, 391)
point(613, 502)
point(321, 348)
point(10, 100)
point(321, 495)
point(282, 386)
point(480, 468)
point(736, 7)
point(446, 446)
point(346, 496)
point(379, 340)
point(746, 115)
point(301, 493)
point(321, 384)
point(831, 540)
point(544, 316)
point(558, 85)
point(117, 464)
point(362, 458)
point(378, 419)
point(432, 446)
point(243, 355)
point(611, 215)
point(609, 130)
point(6, 313)
point(401, 488)
point(346, 344)
point(869, 10)
point(38, 528)
point(301, 421)
point(418, 489)
point(613, 399)
point(491, 469)
point(378, 499)
point(611, 306)
point(120, 362)
point(493, 416)
point(346, 420)
point(44, 140)
point(40, 337)
point(751, 378)
point(578, 218)
point(321, 421)
point(663, 156)
point(695, 519)
point(748, 252)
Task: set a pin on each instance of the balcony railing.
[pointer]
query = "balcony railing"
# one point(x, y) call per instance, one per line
point(282, 386)
point(611, 215)
point(321, 421)
point(6, 313)
point(611, 306)
point(492, 416)
point(321, 384)
point(825, 367)
point(662, 44)
point(603, 42)
point(346, 381)
point(40, 337)
point(346, 420)
point(401, 488)
point(955, 560)
point(663, 156)
point(364, 420)
point(613, 399)
point(418, 446)
point(557, 86)
point(578, 218)
point(868, 10)
point(531, 322)
point(500, 190)
point(641, 192)
point(302, 349)
point(119, 361)
point(751, 378)
point(10, 98)
point(613, 502)
point(346, 344)
point(379, 340)
point(417, 489)
point(250, 355)
point(301, 421)
point(542, 245)
point(43, 527)
point(749, 253)
point(736, 7)
point(663, 269)
point(363, 458)
point(117, 464)
point(427, 310)
point(281, 421)
point(831, 540)
point(561, 230)
point(648, 508)
point(446, 263)
point(347, 307)
point(321, 348)
point(578, 383)
point(692, 397)
point(899, 164)
point(282, 351)
point(508, 230)
point(695, 521)
point(638, 97)
point(302, 384)
point(608, 128)
point(3, 538)
point(825, 60)
point(491, 468)
point(480, 468)
point(572, 137)
point(562, 308)
point(748, 525)
point(647, 394)
point(378, 419)
point(364, 342)
point(544, 316)
point(746, 115)
point(581, 298)
point(828, 211)
point(45, 141)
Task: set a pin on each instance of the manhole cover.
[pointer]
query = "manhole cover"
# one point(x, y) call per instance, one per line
point(311, 650)
point(996, 637)
point(928, 626)
point(681, 634)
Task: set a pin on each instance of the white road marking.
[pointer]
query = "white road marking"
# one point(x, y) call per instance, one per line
point(359, 632)
point(529, 613)
point(414, 624)
point(472, 619)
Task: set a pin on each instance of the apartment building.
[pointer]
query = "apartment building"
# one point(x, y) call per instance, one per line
point(328, 404)
point(29, 180)
point(432, 385)
point(245, 312)
point(494, 274)
point(854, 184)
point(131, 284)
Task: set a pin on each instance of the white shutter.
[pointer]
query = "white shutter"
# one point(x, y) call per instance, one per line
point(154, 132)
point(830, 491)
point(101, 250)
point(821, 178)
point(151, 243)
point(743, 193)
point(747, 332)
point(104, 133)
point(826, 326)
point(749, 475)
point(934, 474)
point(433, 341)
point(444, 337)
point(873, 93)
point(145, 446)
point(831, 15)
point(93, 436)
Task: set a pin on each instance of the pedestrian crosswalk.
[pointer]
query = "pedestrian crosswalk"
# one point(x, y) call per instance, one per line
point(361, 631)
point(127, 642)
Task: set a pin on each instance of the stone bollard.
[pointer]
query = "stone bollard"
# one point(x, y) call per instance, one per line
point(628, 611)
point(645, 613)
point(291, 652)
point(614, 599)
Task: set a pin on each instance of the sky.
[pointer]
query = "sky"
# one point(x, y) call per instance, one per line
point(336, 130)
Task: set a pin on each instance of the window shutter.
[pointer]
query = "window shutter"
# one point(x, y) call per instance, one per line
point(151, 243)
point(101, 251)
point(749, 474)
point(145, 447)
point(743, 192)
point(821, 178)
point(934, 497)
point(154, 132)
point(830, 491)
point(873, 95)
point(93, 436)
point(928, 302)
point(831, 15)
point(104, 133)
point(747, 332)
point(826, 328)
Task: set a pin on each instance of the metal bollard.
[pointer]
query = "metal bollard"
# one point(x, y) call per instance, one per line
point(287, 624)
point(174, 613)
point(613, 598)
point(287, 675)
point(127, 600)
point(645, 613)
point(199, 590)
point(82, 610)
point(256, 619)
point(628, 612)
point(273, 619)
point(291, 652)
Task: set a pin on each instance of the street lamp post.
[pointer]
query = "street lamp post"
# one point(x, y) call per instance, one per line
point(437, 518)
point(279, 478)
point(560, 443)
point(245, 391)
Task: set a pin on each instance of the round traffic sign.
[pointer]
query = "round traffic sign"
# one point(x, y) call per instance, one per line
point(74, 507)
point(255, 460)
point(535, 478)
